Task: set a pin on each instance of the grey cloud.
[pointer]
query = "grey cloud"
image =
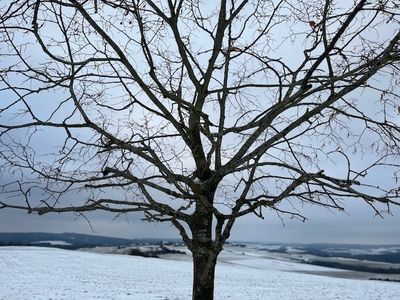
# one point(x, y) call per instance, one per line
point(359, 226)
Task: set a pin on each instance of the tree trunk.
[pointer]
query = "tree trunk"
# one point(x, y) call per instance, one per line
point(203, 276)
point(204, 255)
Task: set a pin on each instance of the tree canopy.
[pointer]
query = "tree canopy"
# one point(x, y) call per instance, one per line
point(198, 112)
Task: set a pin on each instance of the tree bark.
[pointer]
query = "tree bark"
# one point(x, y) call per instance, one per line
point(203, 276)
point(204, 254)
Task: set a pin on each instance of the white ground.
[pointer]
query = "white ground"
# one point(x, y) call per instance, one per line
point(46, 273)
point(54, 243)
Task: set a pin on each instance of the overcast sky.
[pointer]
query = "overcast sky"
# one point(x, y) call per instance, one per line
point(358, 225)
point(323, 226)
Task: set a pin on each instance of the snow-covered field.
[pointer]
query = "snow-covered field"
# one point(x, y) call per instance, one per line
point(48, 273)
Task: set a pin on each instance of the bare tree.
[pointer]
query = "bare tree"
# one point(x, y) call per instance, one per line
point(198, 112)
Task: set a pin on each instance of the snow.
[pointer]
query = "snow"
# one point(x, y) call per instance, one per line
point(48, 273)
point(53, 243)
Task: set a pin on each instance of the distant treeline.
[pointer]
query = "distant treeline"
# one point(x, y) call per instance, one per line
point(388, 257)
point(153, 253)
point(385, 279)
point(73, 240)
point(360, 268)
point(49, 245)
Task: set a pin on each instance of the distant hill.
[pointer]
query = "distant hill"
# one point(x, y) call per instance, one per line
point(325, 254)
point(64, 240)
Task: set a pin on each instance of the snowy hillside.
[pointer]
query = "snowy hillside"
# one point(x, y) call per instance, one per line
point(47, 273)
